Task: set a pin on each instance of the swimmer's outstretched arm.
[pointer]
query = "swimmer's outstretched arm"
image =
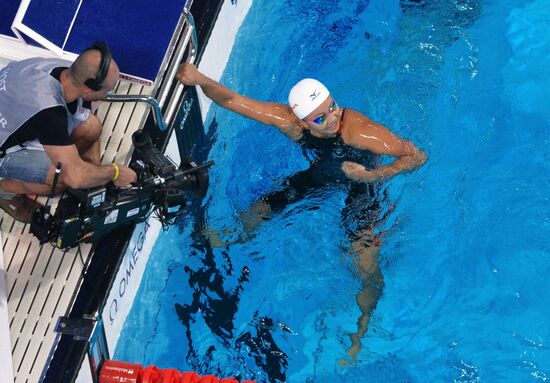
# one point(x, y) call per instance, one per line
point(364, 133)
point(269, 113)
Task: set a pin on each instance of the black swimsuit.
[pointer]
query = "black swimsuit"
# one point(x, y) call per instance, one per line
point(326, 157)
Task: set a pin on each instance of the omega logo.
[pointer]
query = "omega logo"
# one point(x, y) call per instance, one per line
point(123, 284)
point(186, 109)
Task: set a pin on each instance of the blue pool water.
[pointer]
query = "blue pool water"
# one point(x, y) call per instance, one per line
point(465, 249)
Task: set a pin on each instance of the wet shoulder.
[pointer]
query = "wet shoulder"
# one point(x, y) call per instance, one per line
point(352, 123)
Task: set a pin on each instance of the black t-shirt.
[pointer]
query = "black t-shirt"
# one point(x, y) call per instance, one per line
point(49, 125)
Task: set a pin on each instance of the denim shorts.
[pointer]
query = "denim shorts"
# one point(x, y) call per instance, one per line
point(25, 165)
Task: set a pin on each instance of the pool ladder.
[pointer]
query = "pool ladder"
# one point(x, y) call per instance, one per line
point(169, 91)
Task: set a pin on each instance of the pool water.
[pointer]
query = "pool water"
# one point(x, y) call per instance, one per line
point(465, 249)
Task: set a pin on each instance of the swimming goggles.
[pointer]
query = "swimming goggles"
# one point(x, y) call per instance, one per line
point(321, 119)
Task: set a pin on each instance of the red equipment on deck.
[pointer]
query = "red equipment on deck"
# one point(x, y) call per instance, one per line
point(114, 371)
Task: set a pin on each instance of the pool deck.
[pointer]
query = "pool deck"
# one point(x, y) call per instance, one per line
point(41, 281)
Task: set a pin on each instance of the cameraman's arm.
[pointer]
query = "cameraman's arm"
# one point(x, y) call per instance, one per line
point(78, 174)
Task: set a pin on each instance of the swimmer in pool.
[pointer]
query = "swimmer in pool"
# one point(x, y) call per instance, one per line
point(313, 118)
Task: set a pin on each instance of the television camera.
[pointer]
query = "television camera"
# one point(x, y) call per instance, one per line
point(87, 215)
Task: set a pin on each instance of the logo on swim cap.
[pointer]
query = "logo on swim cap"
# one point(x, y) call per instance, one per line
point(306, 96)
point(314, 95)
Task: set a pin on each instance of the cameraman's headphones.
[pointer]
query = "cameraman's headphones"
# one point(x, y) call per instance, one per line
point(95, 83)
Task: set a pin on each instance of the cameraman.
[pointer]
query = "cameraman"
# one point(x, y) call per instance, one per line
point(45, 118)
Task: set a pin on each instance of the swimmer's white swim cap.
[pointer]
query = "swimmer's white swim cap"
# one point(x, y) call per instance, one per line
point(306, 96)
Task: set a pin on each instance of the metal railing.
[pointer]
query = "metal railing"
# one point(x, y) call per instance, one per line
point(169, 95)
point(157, 113)
point(190, 37)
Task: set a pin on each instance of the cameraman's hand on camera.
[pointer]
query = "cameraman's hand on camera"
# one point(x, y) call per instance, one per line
point(126, 176)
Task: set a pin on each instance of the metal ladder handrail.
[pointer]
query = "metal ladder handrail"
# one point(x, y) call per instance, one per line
point(153, 103)
point(190, 37)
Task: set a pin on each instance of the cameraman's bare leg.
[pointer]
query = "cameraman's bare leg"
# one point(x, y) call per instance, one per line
point(15, 202)
point(20, 187)
point(365, 258)
point(86, 137)
point(36, 172)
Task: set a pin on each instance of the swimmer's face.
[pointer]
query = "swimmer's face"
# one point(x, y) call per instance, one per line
point(324, 120)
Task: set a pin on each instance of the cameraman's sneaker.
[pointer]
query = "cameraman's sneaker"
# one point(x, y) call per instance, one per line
point(20, 207)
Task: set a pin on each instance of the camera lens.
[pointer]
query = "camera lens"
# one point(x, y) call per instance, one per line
point(141, 141)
